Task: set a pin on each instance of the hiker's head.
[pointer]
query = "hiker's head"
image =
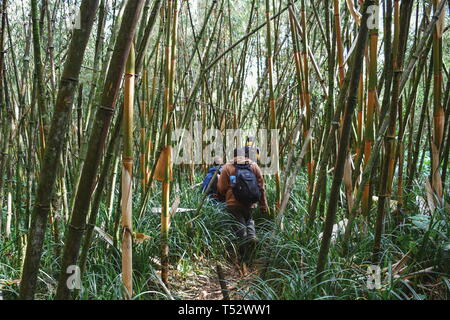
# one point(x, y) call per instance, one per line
point(218, 160)
point(240, 152)
point(251, 153)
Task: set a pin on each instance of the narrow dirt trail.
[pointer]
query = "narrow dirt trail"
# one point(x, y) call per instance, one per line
point(203, 283)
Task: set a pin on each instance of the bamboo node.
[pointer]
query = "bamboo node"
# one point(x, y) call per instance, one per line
point(388, 137)
point(69, 79)
point(127, 230)
point(127, 159)
point(80, 229)
point(39, 205)
point(108, 109)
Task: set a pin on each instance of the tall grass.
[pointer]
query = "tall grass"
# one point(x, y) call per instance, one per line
point(289, 271)
point(284, 261)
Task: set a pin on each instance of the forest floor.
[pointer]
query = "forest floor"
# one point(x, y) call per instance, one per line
point(415, 253)
point(203, 283)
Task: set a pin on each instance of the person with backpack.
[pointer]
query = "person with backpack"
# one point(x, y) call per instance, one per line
point(253, 150)
point(212, 177)
point(242, 184)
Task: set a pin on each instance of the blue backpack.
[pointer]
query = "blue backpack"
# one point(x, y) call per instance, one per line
point(246, 189)
point(209, 176)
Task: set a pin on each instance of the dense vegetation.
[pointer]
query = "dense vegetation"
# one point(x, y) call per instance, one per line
point(93, 94)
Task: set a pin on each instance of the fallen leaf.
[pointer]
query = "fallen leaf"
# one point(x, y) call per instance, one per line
point(140, 237)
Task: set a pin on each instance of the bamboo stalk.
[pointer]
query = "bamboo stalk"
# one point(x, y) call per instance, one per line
point(144, 43)
point(340, 49)
point(56, 143)
point(127, 177)
point(102, 180)
point(307, 98)
point(272, 103)
point(40, 92)
point(97, 142)
point(401, 20)
point(438, 110)
point(343, 142)
point(369, 125)
point(413, 165)
point(321, 177)
point(5, 128)
point(170, 64)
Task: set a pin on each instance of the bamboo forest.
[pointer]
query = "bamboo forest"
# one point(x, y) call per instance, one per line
point(224, 150)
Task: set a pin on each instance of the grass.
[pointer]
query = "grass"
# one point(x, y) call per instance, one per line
point(285, 259)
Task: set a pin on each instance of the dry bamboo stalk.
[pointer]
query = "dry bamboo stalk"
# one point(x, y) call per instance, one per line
point(340, 49)
point(355, 14)
point(438, 110)
point(127, 178)
point(369, 124)
point(166, 161)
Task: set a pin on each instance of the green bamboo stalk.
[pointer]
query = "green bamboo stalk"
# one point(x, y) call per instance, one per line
point(272, 102)
point(143, 45)
point(102, 180)
point(401, 28)
point(330, 141)
point(413, 165)
point(56, 143)
point(40, 92)
point(5, 128)
point(97, 142)
point(356, 69)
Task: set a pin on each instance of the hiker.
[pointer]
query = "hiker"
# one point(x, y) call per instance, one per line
point(253, 150)
point(242, 184)
point(212, 191)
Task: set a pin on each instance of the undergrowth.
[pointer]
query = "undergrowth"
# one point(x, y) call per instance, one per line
point(285, 258)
